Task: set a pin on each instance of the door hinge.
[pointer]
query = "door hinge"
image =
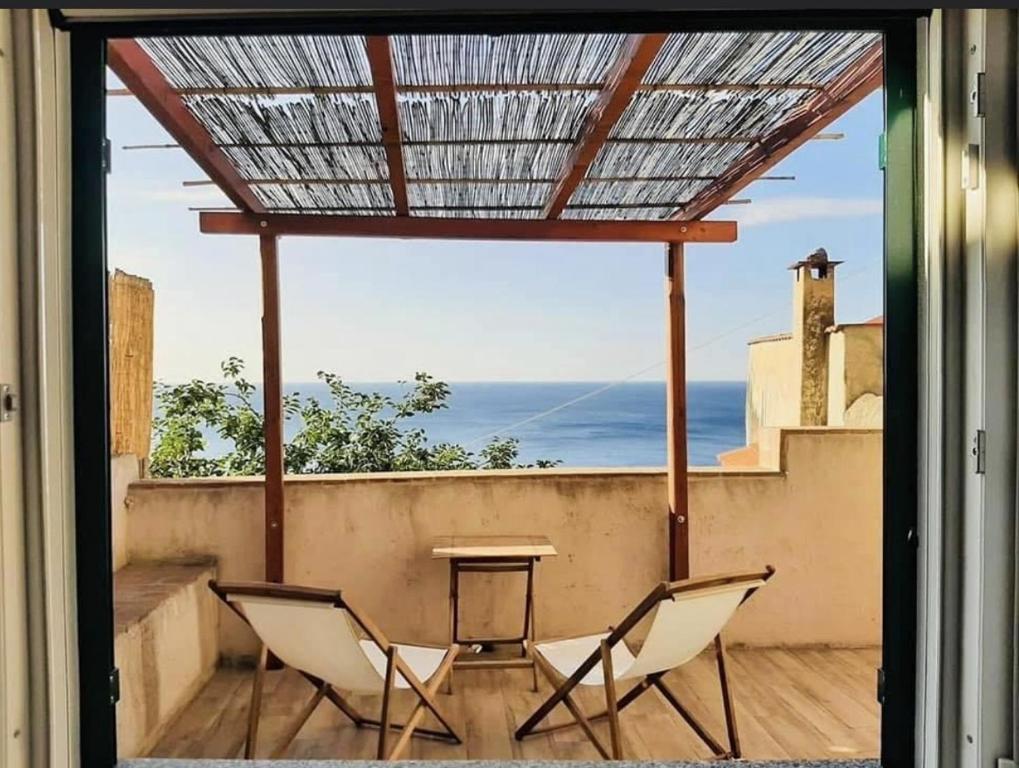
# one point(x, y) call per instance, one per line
point(880, 685)
point(107, 156)
point(977, 95)
point(1006, 762)
point(979, 451)
point(114, 685)
point(8, 403)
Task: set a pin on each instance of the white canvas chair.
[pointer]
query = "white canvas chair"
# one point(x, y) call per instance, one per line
point(333, 645)
point(688, 616)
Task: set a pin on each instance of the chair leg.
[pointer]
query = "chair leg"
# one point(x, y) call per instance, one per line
point(387, 692)
point(339, 702)
point(570, 704)
point(255, 709)
point(295, 727)
point(426, 702)
point(730, 712)
point(692, 721)
point(611, 706)
point(624, 701)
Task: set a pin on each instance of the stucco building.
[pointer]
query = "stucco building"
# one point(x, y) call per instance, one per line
point(822, 373)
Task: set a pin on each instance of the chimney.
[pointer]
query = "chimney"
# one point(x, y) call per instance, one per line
point(813, 314)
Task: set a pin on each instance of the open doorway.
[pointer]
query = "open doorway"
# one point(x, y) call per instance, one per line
point(853, 669)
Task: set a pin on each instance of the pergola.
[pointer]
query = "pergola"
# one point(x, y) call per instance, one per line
point(559, 137)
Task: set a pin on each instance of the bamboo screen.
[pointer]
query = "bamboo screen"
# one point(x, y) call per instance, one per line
point(131, 301)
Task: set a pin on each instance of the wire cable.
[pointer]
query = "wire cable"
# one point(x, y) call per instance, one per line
point(612, 385)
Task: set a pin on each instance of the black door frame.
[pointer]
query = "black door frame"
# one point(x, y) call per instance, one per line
point(90, 314)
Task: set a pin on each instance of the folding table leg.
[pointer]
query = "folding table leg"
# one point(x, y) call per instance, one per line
point(454, 608)
point(529, 625)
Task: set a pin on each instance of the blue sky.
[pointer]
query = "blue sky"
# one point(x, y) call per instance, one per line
point(379, 310)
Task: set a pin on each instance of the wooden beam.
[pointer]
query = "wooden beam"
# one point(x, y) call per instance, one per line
point(638, 53)
point(136, 69)
point(272, 394)
point(216, 223)
point(857, 82)
point(675, 413)
point(380, 59)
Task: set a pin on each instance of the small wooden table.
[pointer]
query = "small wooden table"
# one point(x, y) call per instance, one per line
point(492, 554)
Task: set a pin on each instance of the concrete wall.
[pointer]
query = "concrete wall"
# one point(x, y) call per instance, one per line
point(773, 385)
point(855, 371)
point(165, 654)
point(855, 380)
point(123, 472)
point(817, 521)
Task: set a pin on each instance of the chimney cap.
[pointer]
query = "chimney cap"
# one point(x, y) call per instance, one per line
point(819, 258)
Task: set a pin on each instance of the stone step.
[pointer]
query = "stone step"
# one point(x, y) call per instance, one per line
point(167, 626)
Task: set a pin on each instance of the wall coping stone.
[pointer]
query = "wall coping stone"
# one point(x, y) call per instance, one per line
point(553, 474)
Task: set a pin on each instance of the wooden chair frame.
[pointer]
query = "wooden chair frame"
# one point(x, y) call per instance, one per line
point(615, 704)
point(323, 690)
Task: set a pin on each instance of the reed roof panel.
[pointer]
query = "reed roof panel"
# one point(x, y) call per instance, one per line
point(295, 119)
point(361, 162)
point(485, 161)
point(651, 159)
point(634, 193)
point(510, 107)
point(757, 57)
point(494, 115)
point(338, 196)
point(270, 61)
point(710, 114)
point(506, 59)
point(479, 213)
point(479, 195)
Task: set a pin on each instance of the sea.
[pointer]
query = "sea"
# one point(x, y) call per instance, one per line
point(579, 424)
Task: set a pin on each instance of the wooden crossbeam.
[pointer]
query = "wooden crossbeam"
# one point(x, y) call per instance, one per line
point(638, 53)
point(139, 73)
point(857, 82)
point(380, 59)
point(215, 223)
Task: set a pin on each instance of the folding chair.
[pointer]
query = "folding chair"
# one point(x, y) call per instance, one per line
point(688, 616)
point(316, 632)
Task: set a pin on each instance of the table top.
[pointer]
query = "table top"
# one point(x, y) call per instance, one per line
point(481, 547)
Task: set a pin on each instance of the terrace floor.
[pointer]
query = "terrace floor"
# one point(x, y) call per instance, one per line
point(790, 703)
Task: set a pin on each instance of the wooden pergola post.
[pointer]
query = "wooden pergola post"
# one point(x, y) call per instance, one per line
point(675, 410)
point(272, 398)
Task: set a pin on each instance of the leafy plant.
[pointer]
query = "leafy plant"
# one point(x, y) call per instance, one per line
point(357, 432)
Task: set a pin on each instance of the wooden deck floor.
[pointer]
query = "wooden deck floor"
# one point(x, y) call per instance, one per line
point(809, 704)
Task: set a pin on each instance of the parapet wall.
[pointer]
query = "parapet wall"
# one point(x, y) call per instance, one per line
point(817, 519)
